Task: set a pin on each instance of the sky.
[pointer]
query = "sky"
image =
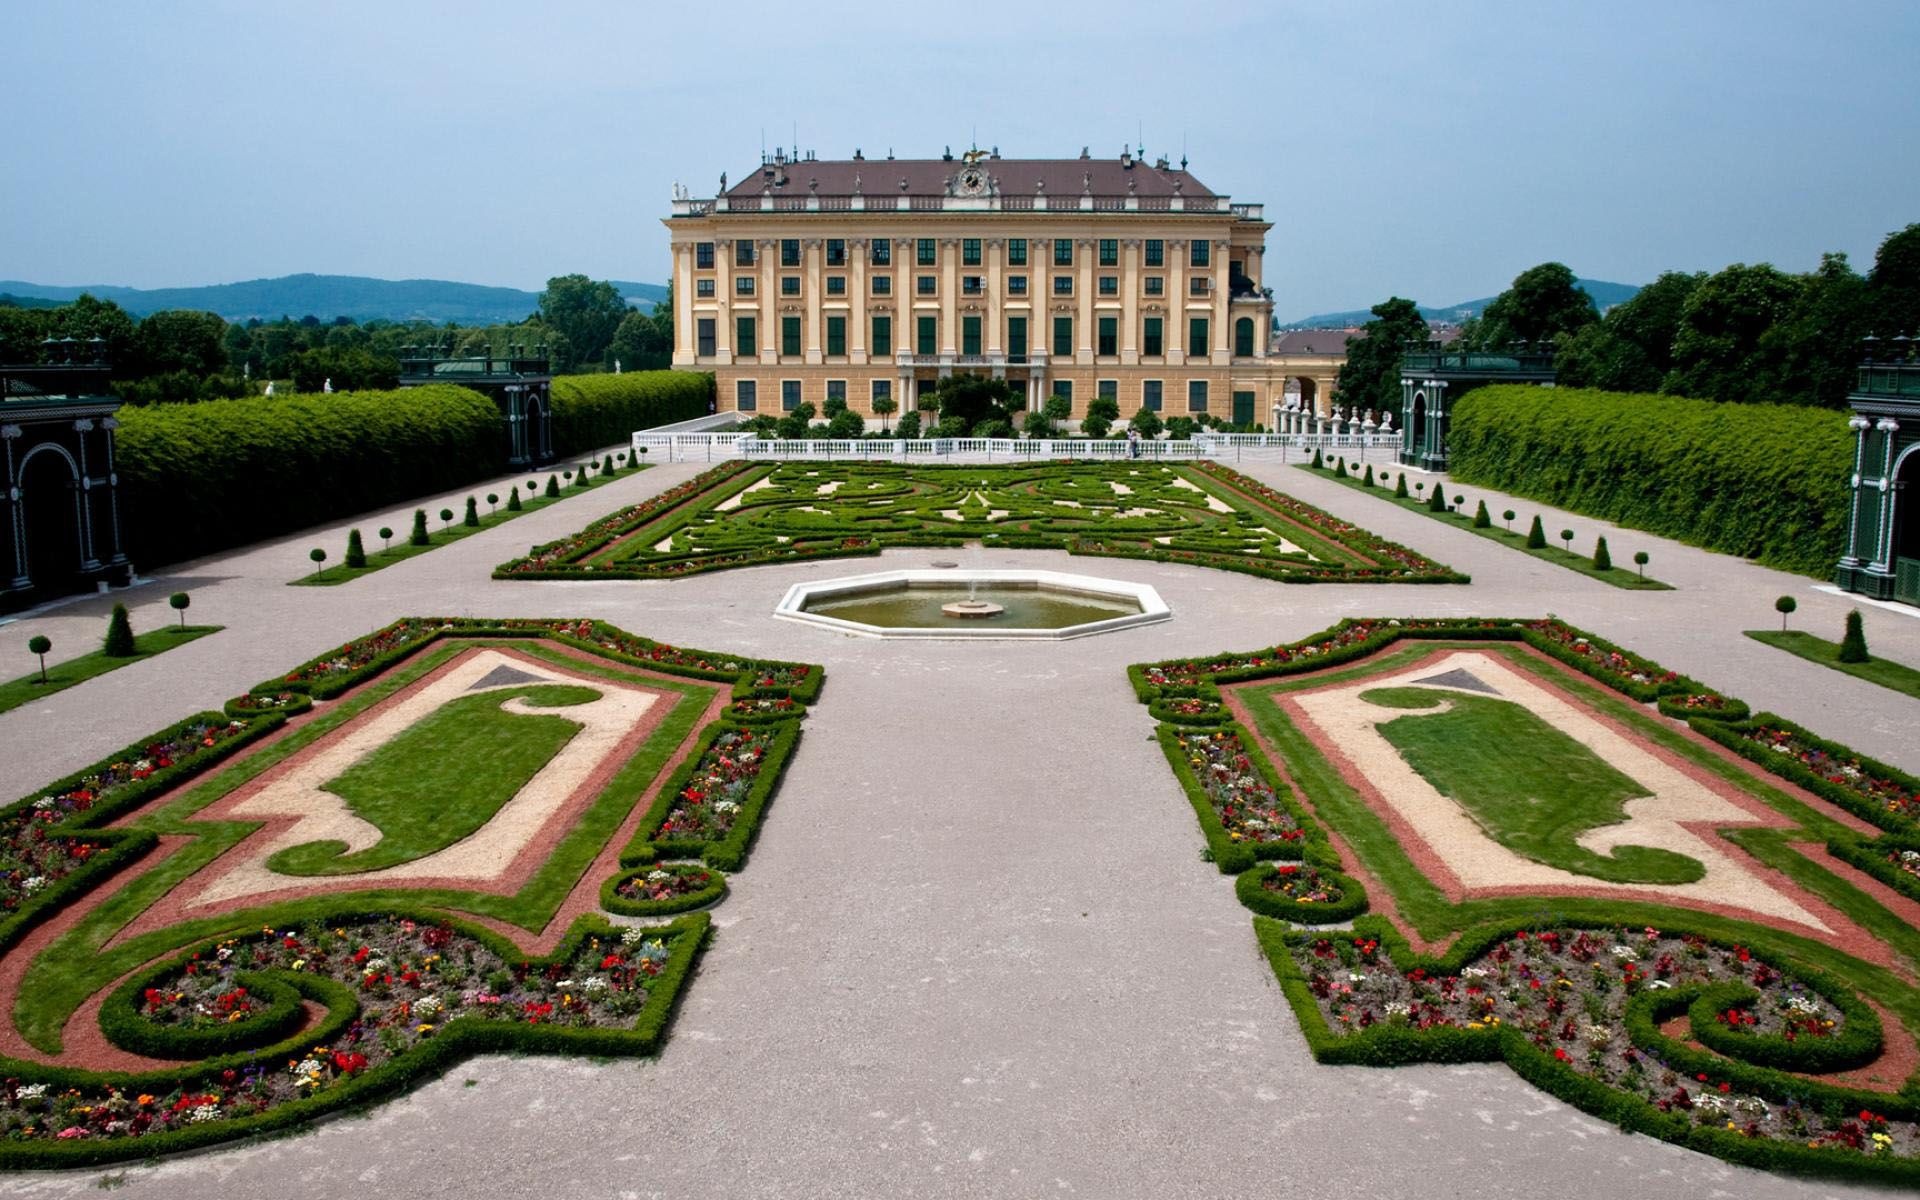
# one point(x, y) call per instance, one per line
point(1417, 149)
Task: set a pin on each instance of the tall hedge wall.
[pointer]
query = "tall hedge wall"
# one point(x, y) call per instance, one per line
point(196, 478)
point(591, 411)
point(1764, 481)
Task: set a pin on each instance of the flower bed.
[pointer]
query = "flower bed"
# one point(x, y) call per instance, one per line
point(1884, 795)
point(660, 888)
point(1578, 1011)
point(551, 560)
point(712, 807)
point(406, 995)
point(1305, 893)
point(1242, 810)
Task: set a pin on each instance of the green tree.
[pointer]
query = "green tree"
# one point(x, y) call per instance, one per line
point(1810, 355)
point(179, 340)
point(38, 645)
point(1631, 348)
point(87, 318)
point(1542, 304)
point(1102, 412)
point(348, 370)
point(1482, 519)
point(640, 343)
point(1370, 378)
point(356, 552)
point(1894, 284)
point(884, 407)
point(585, 312)
point(1437, 502)
point(975, 398)
point(1147, 423)
point(846, 424)
point(420, 536)
point(1602, 561)
point(472, 518)
point(119, 640)
point(1785, 606)
point(1537, 535)
point(513, 499)
point(1716, 351)
point(179, 602)
point(317, 556)
point(1853, 644)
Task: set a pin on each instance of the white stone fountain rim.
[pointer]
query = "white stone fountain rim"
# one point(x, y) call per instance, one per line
point(792, 606)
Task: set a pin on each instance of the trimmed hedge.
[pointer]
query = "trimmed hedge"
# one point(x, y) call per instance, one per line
point(728, 853)
point(1252, 889)
point(591, 411)
point(196, 478)
point(1763, 481)
point(614, 902)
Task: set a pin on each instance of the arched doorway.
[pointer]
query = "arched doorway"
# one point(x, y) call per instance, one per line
point(539, 426)
point(1906, 528)
point(1309, 394)
point(50, 510)
point(1417, 425)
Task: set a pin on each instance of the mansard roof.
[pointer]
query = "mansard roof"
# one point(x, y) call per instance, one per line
point(1100, 177)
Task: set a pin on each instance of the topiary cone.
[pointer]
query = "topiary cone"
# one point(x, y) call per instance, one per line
point(553, 485)
point(472, 519)
point(1482, 519)
point(356, 553)
point(1400, 487)
point(1537, 535)
point(1853, 647)
point(1438, 501)
point(119, 639)
point(513, 499)
point(1602, 561)
point(420, 536)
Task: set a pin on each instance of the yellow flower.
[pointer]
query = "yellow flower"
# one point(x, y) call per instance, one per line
point(424, 1029)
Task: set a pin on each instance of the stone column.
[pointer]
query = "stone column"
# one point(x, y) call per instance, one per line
point(1130, 302)
point(723, 319)
point(812, 253)
point(1853, 556)
point(857, 306)
point(949, 295)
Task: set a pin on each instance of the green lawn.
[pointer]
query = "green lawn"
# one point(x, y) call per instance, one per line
point(1531, 787)
point(1621, 575)
point(64, 675)
point(1900, 678)
point(441, 779)
point(441, 533)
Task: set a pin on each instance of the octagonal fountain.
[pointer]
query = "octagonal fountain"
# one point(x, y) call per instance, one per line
point(969, 604)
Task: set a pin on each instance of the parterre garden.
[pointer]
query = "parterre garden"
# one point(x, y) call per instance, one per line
point(392, 857)
point(1690, 920)
point(741, 514)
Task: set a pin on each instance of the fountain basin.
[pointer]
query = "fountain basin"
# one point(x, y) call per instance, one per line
point(972, 604)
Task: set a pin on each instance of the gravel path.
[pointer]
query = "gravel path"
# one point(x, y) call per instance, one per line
point(976, 952)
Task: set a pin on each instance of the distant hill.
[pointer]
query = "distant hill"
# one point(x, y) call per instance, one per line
point(9, 300)
point(1605, 295)
point(329, 296)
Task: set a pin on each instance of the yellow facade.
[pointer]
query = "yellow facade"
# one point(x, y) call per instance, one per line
point(1143, 284)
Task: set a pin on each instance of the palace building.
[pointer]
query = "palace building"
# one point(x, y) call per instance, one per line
point(869, 279)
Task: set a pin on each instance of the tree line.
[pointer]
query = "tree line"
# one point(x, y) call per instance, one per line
point(182, 356)
point(1749, 333)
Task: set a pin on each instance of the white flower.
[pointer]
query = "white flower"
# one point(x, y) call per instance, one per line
point(1659, 983)
point(631, 937)
point(45, 802)
point(203, 1112)
point(1597, 1035)
point(1803, 1006)
point(1395, 1008)
point(374, 966)
point(33, 883)
point(1624, 953)
point(658, 876)
point(1710, 1102)
point(595, 984)
point(1473, 972)
point(1751, 1105)
point(726, 808)
point(1356, 977)
point(31, 1091)
point(427, 1006)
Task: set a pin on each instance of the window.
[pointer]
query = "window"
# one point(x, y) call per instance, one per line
point(970, 252)
point(1243, 337)
point(1150, 395)
point(882, 335)
point(924, 284)
point(743, 253)
point(1109, 285)
point(743, 340)
point(969, 335)
point(703, 333)
point(789, 252)
point(881, 253)
point(745, 395)
point(1196, 395)
point(837, 254)
point(1200, 253)
point(789, 285)
point(1156, 285)
point(1156, 252)
point(1063, 285)
point(790, 336)
point(924, 252)
point(1063, 337)
point(1017, 339)
point(1063, 388)
point(1153, 344)
point(1016, 285)
point(1109, 252)
point(922, 392)
point(703, 287)
point(1107, 389)
point(743, 285)
point(971, 285)
point(836, 390)
point(837, 336)
point(1197, 337)
point(1109, 336)
point(1063, 252)
point(1016, 252)
point(703, 255)
point(1199, 285)
point(789, 395)
point(836, 285)
point(883, 389)
point(926, 335)
point(883, 285)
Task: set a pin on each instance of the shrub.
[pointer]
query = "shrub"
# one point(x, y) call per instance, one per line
point(590, 411)
point(119, 639)
point(420, 536)
point(553, 485)
point(1508, 517)
point(582, 478)
point(472, 519)
point(1784, 606)
point(317, 556)
point(38, 645)
point(1437, 502)
point(606, 468)
point(493, 503)
point(356, 553)
point(386, 537)
point(179, 601)
point(1537, 535)
point(189, 473)
point(1853, 646)
point(1566, 535)
point(513, 499)
point(1366, 480)
point(1400, 487)
point(1482, 519)
point(1602, 561)
point(446, 518)
point(1759, 480)
point(1640, 560)
point(1317, 464)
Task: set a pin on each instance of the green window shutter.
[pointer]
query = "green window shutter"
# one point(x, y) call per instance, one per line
point(790, 335)
point(1197, 336)
point(1063, 337)
point(882, 335)
point(836, 335)
point(970, 335)
point(1153, 342)
point(929, 336)
point(743, 336)
point(1109, 336)
point(1016, 337)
